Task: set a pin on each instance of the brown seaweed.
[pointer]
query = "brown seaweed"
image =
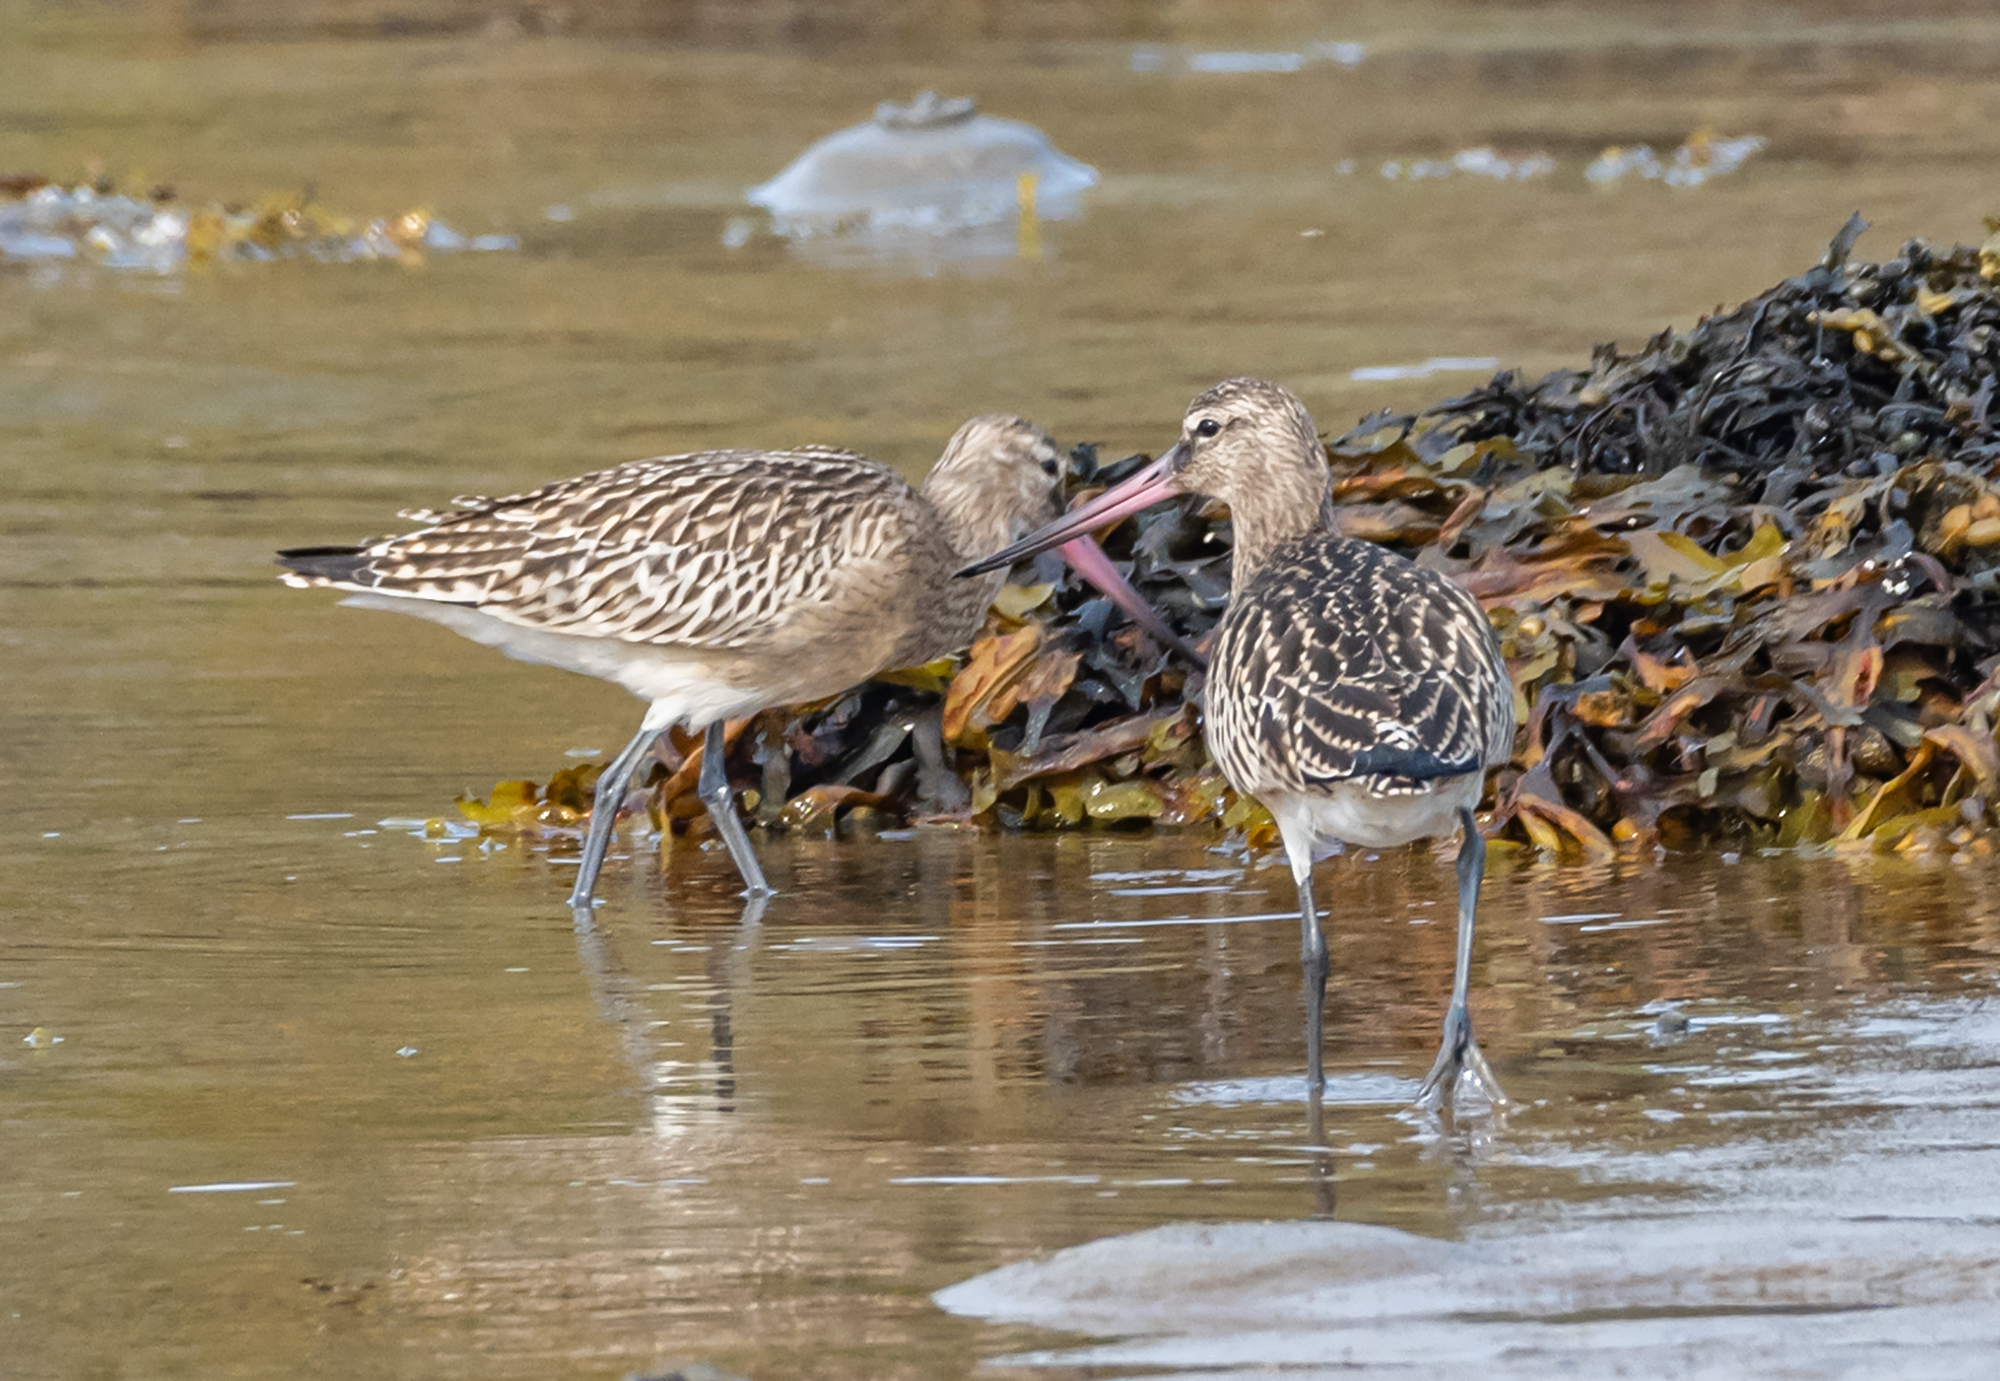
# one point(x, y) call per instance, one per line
point(1747, 581)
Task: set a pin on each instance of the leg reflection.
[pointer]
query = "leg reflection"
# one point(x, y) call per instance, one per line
point(1313, 959)
point(725, 970)
point(621, 1004)
point(1319, 1170)
point(614, 992)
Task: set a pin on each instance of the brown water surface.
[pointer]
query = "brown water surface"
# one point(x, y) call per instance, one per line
point(307, 1095)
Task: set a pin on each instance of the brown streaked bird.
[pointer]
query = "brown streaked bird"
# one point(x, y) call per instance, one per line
point(1358, 696)
point(717, 584)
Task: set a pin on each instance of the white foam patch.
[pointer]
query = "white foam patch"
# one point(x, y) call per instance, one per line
point(1436, 364)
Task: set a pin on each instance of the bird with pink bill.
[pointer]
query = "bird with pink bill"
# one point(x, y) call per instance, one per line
point(1359, 697)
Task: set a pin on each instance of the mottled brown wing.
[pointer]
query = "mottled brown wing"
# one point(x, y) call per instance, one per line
point(713, 550)
point(1355, 663)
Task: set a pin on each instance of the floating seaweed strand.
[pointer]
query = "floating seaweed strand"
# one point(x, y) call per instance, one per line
point(92, 223)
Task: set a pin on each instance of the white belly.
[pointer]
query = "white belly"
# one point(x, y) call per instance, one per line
point(682, 686)
point(1347, 813)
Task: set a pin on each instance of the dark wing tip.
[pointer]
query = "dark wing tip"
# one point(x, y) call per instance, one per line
point(325, 563)
point(1414, 764)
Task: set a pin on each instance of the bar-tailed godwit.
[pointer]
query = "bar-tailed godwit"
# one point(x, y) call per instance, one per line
point(716, 584)
point(1359, 697)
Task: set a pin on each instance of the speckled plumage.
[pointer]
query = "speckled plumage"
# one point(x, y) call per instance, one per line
point(1340, 661)
point(721, 582)
point(1359, 696)
point(732, 558)
point(703, 550)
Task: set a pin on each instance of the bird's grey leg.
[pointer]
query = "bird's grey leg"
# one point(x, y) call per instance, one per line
point(1458, 1053)
point(938, 787)
point(713, 788)
point(1298, 837)
point(1312, 956)
point(604, 805)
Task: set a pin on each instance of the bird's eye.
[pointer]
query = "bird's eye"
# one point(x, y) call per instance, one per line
point(1049, 466)
point(1207, 427)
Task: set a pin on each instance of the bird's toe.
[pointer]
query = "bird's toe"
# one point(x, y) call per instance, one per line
point(1459, 1058)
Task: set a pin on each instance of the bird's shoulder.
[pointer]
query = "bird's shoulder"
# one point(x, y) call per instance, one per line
point(1358, 609)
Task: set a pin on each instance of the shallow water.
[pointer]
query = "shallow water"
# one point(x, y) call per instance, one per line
point(484, 1144)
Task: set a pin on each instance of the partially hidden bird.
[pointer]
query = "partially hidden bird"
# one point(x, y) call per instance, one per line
point(1359, 697)
point(716, 584)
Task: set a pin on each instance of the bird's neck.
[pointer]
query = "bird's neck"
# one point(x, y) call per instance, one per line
point(1268, 519)
point(953, 609)
point(948, 616)
point(975, 529)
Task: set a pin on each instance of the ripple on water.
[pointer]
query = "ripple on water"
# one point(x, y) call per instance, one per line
point(1342, 1090)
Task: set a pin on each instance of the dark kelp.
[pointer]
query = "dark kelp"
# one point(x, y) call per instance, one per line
point(1747, 580)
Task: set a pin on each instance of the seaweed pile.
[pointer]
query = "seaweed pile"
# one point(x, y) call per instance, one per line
point(1747, 580)
point(94, 222)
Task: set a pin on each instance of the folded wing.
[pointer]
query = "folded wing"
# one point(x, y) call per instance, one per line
point(1366, 667)
point(715, 550)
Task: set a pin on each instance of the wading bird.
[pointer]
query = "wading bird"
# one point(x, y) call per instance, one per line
point(717, 584)
point(1358, 696)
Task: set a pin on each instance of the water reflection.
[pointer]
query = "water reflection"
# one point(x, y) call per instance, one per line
point(1761, 1136)
point(909, 1013)
point(736, 1137)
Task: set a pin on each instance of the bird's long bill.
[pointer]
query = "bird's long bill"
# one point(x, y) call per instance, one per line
point(1143, 490)
point(1088, 560)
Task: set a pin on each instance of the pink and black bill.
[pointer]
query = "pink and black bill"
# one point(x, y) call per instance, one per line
point(1072, 532)
point(1088, 560)
point(1142, 490)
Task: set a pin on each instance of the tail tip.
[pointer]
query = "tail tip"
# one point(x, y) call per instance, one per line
point(309, 566)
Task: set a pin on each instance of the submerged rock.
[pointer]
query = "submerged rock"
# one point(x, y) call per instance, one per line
point(934, 167)
point(1748, 1292)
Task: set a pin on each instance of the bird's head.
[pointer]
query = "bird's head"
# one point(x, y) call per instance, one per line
point(1252, 444)
point(1247, 442)
point(999, 478)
